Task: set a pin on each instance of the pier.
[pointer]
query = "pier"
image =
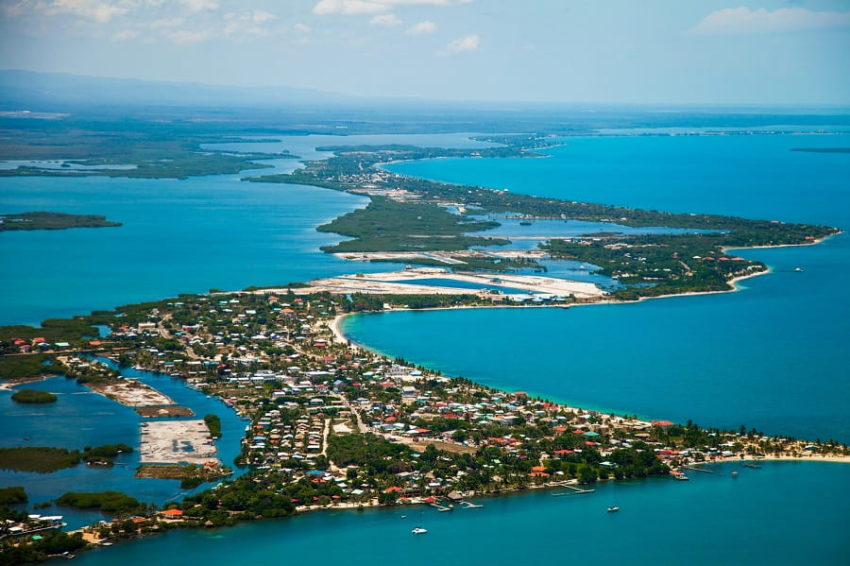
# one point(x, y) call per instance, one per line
point(573, 490)
point(698, 469)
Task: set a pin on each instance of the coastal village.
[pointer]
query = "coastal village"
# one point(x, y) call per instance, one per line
point(332, 425)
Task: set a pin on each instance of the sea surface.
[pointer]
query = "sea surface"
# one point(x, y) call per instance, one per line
point(762, 517)
point(178, 236)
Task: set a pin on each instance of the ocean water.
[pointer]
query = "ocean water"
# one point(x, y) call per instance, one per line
point(179, 236)
point(773, 356)
point(81, 418)
point(708, 521)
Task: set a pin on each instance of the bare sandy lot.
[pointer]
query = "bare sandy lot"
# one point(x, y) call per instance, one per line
point(174, 442)
point(132, 393)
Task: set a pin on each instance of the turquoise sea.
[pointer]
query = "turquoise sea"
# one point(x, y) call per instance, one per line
point(179, 236)
point(788, 513)
point(773, 356)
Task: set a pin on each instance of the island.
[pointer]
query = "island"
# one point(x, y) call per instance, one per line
point(52, 221)
point(33, 397)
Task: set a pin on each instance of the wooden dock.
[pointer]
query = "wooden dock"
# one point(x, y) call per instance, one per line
point(698, 469)
point(573, 490)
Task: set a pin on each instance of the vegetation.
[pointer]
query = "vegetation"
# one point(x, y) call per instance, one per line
point(153, 149)
point(52, 221)
point(52, 543)
point(12, 495)
point(41, 459)
point(107, 501)
point(388, 225)
point(35, 365)
point(214, 424)
point(33, 396)
point(45, 459)
point(52, 330)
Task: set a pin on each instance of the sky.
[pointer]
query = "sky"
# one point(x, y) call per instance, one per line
point(565, 51)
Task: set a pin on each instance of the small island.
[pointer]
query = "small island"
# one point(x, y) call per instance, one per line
point(34, 397)
point(52, 221)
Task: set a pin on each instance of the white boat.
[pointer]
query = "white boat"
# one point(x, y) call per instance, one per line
point(419, 531)
point(613, 509)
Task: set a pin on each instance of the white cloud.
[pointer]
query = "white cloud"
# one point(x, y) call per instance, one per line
point(422, 28)
point(188, 36)
point(247, 25)
point(461, 45)
point(126, 34)
point(302, 28)
point(326, 7)
point(95, 10)
point(742, 20)
point(260, 16)
point(201, 5)
point(348, 7)
point(385, 20)
point(167, 23)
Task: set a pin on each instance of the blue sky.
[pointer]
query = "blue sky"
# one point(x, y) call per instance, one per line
point(604, 51)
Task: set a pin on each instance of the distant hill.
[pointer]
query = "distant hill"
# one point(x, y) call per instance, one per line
point(27, 90)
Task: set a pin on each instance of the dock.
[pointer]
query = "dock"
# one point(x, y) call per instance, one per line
point(573, 490)
point(698, 469)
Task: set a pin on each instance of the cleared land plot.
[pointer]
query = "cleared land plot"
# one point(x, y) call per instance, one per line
point(175, 442)
point(132, 393)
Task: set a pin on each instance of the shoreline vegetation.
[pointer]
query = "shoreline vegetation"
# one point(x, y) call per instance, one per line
point(336, 426)
point(52, 221)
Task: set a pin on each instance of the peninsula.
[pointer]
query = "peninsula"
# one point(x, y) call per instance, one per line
point(431, 223)
point(334, 426)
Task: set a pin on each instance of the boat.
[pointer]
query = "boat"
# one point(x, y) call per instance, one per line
point(798, 269)
point(525, 223)
point(735, 474)
point(613, 509)
point(682, 477)
point(419, 531)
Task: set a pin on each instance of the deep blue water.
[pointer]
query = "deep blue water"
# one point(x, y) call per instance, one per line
point(764, 517)
point(179, 236)
point(82, 418)
point(773, 356)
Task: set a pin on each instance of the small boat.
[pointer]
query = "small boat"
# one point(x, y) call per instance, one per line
point(798, 269)
point(404, 516)
point(525, 223)
point(735, 474)
point(419, 531)
point(682, 477)
point(613, 509)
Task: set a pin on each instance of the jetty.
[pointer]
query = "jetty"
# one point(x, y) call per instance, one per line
point(573, 490)
point(698, 469)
